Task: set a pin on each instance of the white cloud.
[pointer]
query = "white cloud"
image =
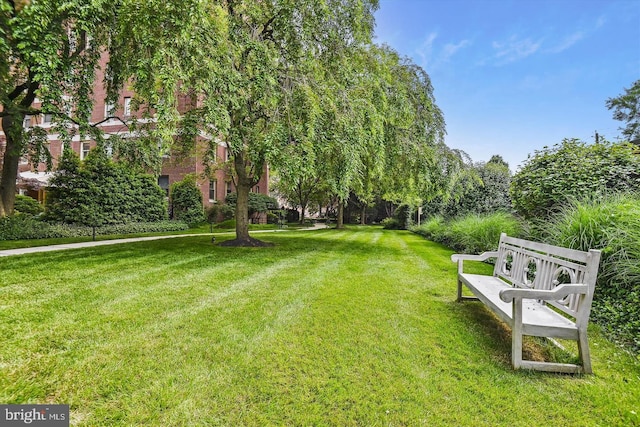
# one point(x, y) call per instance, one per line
point(567, 42)
point(425, 51)
point(432, 56)
point(450, 49)
point(514, 49)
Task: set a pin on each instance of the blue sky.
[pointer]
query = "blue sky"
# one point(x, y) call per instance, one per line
point(514, 76)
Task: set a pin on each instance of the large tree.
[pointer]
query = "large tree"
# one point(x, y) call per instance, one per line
point(379, 132)
point(626, 108)
point(260, 92)
point(53, 49)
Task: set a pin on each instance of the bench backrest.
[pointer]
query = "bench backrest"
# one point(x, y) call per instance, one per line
point(528, 264)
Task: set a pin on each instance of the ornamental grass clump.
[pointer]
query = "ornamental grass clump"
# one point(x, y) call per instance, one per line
point(611, 224)
point(479, 233)
point(471, 233)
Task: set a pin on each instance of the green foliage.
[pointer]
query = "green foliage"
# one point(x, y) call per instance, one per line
point(404, 215)
point(219, 212)
point(390, 224)
point(611, 224)
point(482, 190)
point(573, 169)
point(21, 227)
point(471, 233)
point(258, 202)
point(228, 224)
point(51, 50)
point(626, 108)
point(99, 192)
point(432, 228)
point(27, 205)
point(186, 201)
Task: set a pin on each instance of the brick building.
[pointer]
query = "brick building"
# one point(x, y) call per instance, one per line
point(214, 188)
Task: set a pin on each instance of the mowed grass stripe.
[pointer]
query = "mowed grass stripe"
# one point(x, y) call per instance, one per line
point(146, 307)
point(354, 327)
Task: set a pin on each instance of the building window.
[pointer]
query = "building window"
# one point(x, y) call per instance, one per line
point(127, 106)
point(163, 182)
point(212, 190)
point(257, 189)
point(27, 122)
point(109, 109)
point(84, 150)
point(228, 188)
point(47, 118)
point(227, 155)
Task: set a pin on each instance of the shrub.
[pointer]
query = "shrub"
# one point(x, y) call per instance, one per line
point(390, 224)
point(100, 191)
point(227, 224)
point(432, 228)
point(186, 201)
point(27, 205)
point(611, 224)
point(219, 212)
point(22, 227)
point(573, 169)
point(258, 202)
point(404, 216)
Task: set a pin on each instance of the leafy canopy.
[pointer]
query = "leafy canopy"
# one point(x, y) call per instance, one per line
point(573, 170)
point(626, 108)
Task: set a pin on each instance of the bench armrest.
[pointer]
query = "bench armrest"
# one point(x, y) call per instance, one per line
point(482, 257)
point(560, 292)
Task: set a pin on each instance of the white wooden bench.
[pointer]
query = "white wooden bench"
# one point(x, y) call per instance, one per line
point(538, 290)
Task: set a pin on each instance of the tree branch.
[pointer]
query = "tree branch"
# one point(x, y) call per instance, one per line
point(18, 90)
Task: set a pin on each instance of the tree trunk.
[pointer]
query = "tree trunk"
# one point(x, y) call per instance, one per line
point(340, 219)
point(242, 212)
point(363, 215)
point(243, 187)
point(9, 170)
point(302, 214)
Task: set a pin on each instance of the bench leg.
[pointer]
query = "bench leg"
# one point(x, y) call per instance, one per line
point(583, 348)
point(459, 290)
point(516, 334)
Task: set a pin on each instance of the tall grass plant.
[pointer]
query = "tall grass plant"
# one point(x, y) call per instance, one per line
point(471, 233)
point(611, 224)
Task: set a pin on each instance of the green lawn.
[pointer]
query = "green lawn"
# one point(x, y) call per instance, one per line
point(355, 327)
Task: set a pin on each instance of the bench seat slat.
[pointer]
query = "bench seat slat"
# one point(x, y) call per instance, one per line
point(537, 319)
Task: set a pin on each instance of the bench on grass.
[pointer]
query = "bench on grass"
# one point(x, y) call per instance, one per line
point(538, 290)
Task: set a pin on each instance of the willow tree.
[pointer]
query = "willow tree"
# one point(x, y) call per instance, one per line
point(379, 133)
point(263, 73)
point(414, 136)
point(53, 49)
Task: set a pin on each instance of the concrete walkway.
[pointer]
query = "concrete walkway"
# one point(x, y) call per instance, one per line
point(91, 244)
point(36, 249)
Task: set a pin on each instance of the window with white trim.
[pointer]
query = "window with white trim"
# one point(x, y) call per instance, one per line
point(127, 106)
point(84, 150)
point(109, 109)
point(213, 183)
